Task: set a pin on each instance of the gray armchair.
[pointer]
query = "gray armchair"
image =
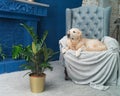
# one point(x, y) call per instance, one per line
point(98, 67)
point(94, 21)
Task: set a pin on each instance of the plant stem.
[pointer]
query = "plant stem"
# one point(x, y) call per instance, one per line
point(36, 66)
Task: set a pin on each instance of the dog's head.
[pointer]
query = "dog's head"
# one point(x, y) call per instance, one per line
point(74, 34)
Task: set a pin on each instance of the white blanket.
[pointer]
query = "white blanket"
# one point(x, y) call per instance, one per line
point(102, 68)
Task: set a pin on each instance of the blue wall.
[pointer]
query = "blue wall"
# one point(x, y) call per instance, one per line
point(55, 20)
point(11, 33)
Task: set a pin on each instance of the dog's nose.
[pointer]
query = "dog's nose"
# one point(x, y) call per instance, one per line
point(68, 35)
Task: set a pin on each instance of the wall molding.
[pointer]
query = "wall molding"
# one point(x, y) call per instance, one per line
point(23, 8)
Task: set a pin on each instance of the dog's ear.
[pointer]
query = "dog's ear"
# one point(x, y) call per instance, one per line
point(68, 34)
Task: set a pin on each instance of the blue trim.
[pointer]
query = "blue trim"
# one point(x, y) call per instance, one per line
point(10, 65)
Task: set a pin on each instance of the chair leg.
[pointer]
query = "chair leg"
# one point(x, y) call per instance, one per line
point(66, 74)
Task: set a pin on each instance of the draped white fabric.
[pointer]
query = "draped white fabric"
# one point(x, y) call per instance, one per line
point(98, 67)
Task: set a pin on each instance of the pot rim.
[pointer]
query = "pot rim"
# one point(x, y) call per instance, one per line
point(35, 75)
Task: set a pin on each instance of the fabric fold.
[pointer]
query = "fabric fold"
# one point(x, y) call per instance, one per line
point(99, 67)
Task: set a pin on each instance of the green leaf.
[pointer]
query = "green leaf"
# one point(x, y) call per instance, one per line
point(27, 74)
point(30, 31)
point(42, 40)
point(16, 51)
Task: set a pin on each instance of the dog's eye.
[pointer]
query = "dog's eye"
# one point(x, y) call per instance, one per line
point(73, 31)
point(72, 38)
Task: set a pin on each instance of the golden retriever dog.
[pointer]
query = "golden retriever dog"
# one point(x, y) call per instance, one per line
point(75, 41)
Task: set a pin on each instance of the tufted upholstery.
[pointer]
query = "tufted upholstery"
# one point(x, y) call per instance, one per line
point(93, 21)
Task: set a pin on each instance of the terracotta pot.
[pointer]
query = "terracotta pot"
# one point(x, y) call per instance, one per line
point(37, 83)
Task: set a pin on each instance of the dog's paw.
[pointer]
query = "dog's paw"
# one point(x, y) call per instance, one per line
point(64, 50)
point(78, 52)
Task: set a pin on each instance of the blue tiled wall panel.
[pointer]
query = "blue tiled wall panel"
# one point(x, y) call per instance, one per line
point(11, 33)
point(2, 68)
point(12, 13)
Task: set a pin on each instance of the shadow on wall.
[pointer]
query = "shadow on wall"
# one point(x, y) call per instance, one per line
point(55, 20)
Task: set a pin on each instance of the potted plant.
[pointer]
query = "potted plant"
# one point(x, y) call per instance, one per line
point(2, 55)
point(37, 56)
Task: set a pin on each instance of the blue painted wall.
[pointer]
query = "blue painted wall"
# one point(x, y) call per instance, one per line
point(55, 20)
